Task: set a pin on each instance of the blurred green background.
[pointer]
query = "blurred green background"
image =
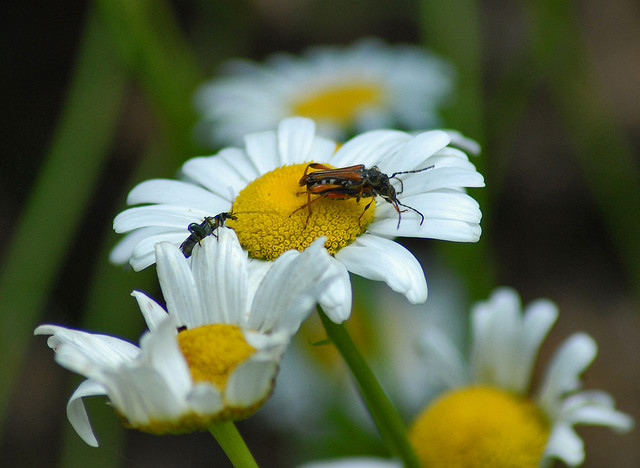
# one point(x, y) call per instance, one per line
point(98, 97)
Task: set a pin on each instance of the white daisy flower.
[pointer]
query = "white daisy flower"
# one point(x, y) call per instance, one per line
point(346, 90)
point(488, 416)
point(259, 184)
point(214, 355)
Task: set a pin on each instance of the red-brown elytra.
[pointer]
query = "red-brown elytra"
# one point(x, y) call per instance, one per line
point(202, 230)
point(354, 182)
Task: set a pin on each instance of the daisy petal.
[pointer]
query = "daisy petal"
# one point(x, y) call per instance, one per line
point(162, 352)
point(415, 153)
point(144, 253)
point(84, 352)
point(141, 262)
point(277, 310)
point(152, 312)
point(538, 319)
point(440, 178)
point(178, 286)
point(322, 150)
point(240, 161)
point(466, 144)
point(336, 298)
point(452, 216)
point(496, 331)
point(444, 359)
point(295, 139)
point(601, 416)
point(595, 408)
point(141, 393)
point(250, 382)
point(381, 259)
point(168, 216)
point(443, 229)
point(216, 175)
point(123, 250)
point(220, 273)
point(563, 373)
point(564, 444)
point(262, 148)
point(369, 148)
point(205, 399)
point(77, 413)
point(176, 192)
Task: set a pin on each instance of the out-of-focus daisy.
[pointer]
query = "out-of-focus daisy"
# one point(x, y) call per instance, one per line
point(213, 356)
point(259, 184)
point(489, 416)
point(346, 90)
point(354, 462)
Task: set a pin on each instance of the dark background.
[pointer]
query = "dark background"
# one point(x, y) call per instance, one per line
point(547, 236)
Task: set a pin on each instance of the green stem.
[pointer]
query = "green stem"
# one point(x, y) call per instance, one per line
point(384, 415)
point(233, 445)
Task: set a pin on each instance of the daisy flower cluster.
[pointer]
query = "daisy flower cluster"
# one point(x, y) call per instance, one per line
point(249, 241)
point(346, 90)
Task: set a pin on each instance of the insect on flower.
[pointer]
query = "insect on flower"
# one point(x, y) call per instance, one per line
point(354, 182)
point(202, 230)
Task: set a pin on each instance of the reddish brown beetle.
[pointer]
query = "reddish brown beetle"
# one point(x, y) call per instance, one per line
point(353, 182)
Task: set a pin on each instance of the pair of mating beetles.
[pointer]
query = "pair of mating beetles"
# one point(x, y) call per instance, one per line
point(337, 184)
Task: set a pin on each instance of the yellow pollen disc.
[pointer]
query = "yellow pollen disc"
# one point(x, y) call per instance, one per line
point(214, 351)
point(478, 427)
point(272, 218)
point(339, 103)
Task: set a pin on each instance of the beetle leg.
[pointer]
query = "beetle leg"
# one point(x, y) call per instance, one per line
point(306, 205)
point(363, 211)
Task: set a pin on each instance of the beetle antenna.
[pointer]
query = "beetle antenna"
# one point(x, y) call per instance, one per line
point(412, 209)
point(411, 172)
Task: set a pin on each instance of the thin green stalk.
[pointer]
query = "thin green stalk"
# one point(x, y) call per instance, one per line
point(602, 152)
point(233, 445)
point(385, 416)
point(61, 192)
point(150, 42)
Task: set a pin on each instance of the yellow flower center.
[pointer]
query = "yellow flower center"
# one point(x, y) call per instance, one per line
point(478, 427)
point(272, 217)
point(214, 351)
point(339, 103)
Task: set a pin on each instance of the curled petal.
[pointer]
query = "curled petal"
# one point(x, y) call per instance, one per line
point(77, 413)
point(381, 259)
